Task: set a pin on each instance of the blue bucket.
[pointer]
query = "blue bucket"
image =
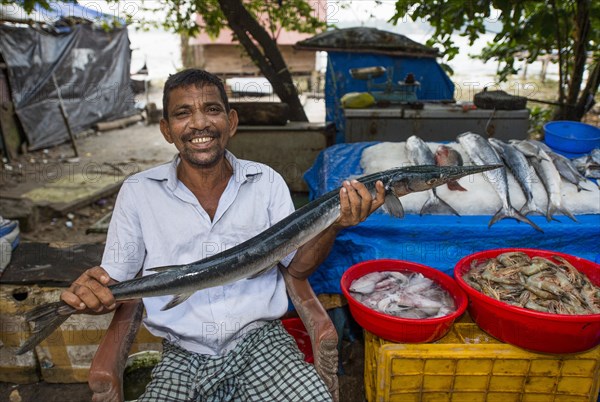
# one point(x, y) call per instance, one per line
point(571, 136)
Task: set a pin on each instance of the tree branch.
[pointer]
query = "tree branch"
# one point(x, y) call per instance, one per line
point(581, 34)
point(269, 58)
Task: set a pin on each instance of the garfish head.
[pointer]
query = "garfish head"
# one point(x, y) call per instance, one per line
point(425, 177)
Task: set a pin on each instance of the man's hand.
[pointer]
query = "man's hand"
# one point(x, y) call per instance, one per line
point(90, 291)
point(357, 203)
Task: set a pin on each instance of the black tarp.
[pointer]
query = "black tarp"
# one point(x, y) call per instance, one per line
point(91, 67)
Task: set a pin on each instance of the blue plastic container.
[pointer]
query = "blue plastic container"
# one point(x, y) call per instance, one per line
point(571, 136)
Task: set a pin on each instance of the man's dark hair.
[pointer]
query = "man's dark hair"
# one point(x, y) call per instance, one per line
point(192, 76)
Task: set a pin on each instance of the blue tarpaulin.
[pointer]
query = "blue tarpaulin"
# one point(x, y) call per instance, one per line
point(433, 240)
point(435, 84)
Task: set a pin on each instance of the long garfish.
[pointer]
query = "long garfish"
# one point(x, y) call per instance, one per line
point(258, 254)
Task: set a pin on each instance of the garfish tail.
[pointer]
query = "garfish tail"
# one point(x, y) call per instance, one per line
point(436, 206)
point(46, 319)
point(510, 212)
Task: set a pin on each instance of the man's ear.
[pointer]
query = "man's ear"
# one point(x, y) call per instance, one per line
point(164, 129)
point(233, 122)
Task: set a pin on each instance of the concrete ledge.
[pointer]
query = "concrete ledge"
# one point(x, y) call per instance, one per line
point(291, 149)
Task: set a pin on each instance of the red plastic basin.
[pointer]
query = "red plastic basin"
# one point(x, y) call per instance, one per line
point(396, 329)
point(296, 328)
point(528, 329)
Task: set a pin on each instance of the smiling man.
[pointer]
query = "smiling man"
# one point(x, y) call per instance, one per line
point(223, 343)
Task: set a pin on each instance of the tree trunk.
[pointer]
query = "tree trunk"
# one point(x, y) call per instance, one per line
point(267, 57)
point(561, 72)
point(590, 90)
point(581, 34)
point(187, 53)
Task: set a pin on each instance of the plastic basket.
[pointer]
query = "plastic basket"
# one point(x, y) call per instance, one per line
point(469, 365)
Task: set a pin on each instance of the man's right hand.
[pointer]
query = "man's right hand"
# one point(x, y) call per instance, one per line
point(90, 291)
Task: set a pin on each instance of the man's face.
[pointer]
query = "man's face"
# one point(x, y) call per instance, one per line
point(198, 124)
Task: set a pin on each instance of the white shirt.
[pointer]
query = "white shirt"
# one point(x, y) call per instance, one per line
point(157, 221)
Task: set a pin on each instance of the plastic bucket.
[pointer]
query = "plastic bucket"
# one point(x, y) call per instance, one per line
point(398, 329)
point(532, 330)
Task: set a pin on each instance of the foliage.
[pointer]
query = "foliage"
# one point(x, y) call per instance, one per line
point(568, 30)
point(292, 15)
point(527, 26)
point(28, 5)
point(538, 116)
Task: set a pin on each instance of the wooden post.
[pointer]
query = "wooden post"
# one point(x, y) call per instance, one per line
point(65, 117)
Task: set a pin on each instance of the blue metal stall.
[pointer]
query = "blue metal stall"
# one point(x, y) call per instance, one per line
point(360, 47)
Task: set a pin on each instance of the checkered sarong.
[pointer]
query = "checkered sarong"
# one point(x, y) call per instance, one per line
point(265, 366)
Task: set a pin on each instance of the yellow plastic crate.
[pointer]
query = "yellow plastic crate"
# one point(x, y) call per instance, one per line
point(468, 365)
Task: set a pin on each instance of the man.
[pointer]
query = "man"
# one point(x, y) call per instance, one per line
point(225, 342)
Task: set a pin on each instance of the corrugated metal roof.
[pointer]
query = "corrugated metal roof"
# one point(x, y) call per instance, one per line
point(366, 40)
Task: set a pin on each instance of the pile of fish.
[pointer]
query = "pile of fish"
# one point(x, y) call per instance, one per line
point(589, 165)
point(536, 283)
point(528, 161)
point(402, 294)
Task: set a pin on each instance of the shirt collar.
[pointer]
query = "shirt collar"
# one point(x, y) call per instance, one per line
point(168, 171)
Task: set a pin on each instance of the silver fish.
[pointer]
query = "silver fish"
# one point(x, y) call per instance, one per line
point(567, 170)
point(589, 165)
point(595, 155)
point(481, 153)
point(552, 182)
point(523, 172)
point(527, 148)
point(565, 167)
point(419, 154)
point(258, 254)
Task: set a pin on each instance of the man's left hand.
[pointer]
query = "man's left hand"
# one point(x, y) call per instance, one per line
point(356, 203)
